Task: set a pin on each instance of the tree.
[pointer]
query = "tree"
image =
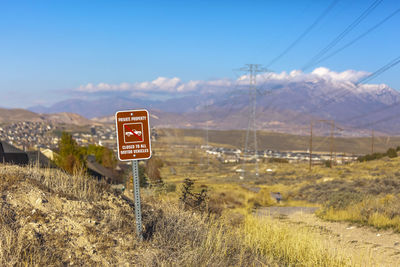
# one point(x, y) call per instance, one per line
point(153, 166)
point(143, 182)
point(71, 156)
point(103, 155)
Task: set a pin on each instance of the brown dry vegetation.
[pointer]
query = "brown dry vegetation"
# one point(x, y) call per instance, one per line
point(279, 141)
point(49, 218)
point(357, 192)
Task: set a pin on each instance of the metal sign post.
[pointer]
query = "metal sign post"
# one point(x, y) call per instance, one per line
point(136, 192)
point(134, 143)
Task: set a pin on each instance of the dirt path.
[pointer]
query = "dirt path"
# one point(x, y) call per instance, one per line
point(374, 247)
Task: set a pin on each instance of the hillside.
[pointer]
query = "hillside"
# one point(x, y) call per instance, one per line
point(49, 218)
point(18, 115)
point(67, 118)
point(282, 142)
point(14, 115)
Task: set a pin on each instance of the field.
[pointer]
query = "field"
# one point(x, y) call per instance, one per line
point(280, 141)
point(359, 193)
point(51, 218)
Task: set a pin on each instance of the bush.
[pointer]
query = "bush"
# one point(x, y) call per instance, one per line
point(103, 155)
point(341, 200)
point(191, 200)
point(278, 160)
point(391, 153)
point(328, 164)
point(370, 157)
point(153, 166)
point(143, 181)
point(170, 188)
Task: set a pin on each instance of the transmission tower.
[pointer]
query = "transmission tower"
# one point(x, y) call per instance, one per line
point(208, 159)
point(252, 70)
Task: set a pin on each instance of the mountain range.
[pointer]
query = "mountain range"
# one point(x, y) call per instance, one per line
point(284, 107)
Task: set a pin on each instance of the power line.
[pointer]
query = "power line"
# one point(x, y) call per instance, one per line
point(373, 75)
point(301, 36)
point(339, 37)
point(368, 78)
point(366, 125)
point(357, 38)
point(391, 64)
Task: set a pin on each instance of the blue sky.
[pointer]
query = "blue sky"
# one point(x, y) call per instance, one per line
point(48, 49)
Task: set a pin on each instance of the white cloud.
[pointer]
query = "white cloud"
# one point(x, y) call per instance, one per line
point(176, 85)
point(317, 74)
point(160, 84)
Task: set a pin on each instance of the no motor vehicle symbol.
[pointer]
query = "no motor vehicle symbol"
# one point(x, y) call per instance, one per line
point(133, 134)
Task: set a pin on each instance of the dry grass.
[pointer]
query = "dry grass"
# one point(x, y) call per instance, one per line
point(49, 218)
point(182, 238)
point(379, 212)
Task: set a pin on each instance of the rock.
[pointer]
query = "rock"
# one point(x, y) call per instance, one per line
point(41, 200)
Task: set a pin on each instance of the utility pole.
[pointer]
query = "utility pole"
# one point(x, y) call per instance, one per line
point(208, 159)
point(372, 141)
point(252, 70)
point(38, 158)
point(331, 142)
point(311, 126)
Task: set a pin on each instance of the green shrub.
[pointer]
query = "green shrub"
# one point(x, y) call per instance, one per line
point(170, 188)
point(341, 200)
point(327, 163)
point(192, 200)
point(391, 153)
point(278, 160)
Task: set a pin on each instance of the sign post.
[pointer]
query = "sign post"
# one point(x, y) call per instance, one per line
point(136, 192)
point(133, 142)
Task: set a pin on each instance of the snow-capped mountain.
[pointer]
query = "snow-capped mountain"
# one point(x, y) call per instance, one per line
point(285, 102)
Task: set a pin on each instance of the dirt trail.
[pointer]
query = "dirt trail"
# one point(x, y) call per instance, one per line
point(374, 247)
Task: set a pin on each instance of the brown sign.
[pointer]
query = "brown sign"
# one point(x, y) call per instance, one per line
point(133, 134)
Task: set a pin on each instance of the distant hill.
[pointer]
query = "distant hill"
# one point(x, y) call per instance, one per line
point(12, 115)
point(287, 142)
point(16, 115)
point(67, 118)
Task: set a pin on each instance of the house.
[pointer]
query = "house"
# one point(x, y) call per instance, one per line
point(11, 154)
point(99, 171)
point(37, 158)
point(49, 153)
point(229, 159)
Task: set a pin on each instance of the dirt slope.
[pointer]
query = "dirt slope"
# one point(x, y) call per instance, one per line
point(376, 247)
point(49, 218)
point(50, 226)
